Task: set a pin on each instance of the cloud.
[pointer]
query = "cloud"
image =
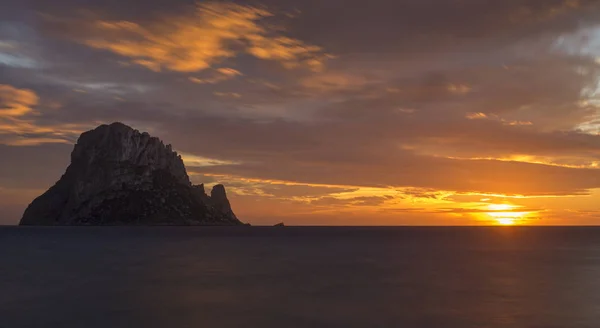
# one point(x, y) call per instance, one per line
point(511, 178)
point(334, 81)
point(351, 202)
point(481, 116)
point(16, 102)
point(192, 161)
point(209, 34)
point(16, 53)
point(370, 155)
point(227, 94)
point(361, 139)
point(218, 75)
point(488, 211)
point(18, 124)
point(460, 89)
point(290, 52)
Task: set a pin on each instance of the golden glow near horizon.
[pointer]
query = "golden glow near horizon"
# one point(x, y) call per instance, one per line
point(394, 203)
point(503, 214)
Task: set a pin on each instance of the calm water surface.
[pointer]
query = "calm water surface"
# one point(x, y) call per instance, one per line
point(299, 277)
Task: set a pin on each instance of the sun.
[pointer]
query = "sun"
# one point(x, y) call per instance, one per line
point(504, 214)
point(500, 207)
point(505, 221)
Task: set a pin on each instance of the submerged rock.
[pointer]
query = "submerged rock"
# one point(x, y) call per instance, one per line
point(119, 176)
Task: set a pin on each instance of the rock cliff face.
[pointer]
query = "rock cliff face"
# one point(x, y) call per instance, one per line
point(119, 176)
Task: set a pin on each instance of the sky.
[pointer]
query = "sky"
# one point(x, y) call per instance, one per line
point(338, 112)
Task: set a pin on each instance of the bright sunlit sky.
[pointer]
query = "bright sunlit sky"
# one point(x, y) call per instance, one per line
point(386, 112)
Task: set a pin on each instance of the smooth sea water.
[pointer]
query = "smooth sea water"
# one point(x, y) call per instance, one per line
point(174, 277)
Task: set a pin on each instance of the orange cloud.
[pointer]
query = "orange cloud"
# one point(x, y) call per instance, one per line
point(579, 163)
point(16, 102)
point(212, 32)
point(480, 116)
point(16, 119)
point(476, 116)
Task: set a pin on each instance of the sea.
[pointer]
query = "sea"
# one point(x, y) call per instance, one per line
point(447, 277)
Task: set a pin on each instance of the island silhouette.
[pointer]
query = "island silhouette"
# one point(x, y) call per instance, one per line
point(120, 176)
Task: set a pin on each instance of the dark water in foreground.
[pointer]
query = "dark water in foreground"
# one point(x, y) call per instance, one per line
point(299, 277)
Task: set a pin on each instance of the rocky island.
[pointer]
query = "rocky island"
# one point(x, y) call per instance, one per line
point(119, 176)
